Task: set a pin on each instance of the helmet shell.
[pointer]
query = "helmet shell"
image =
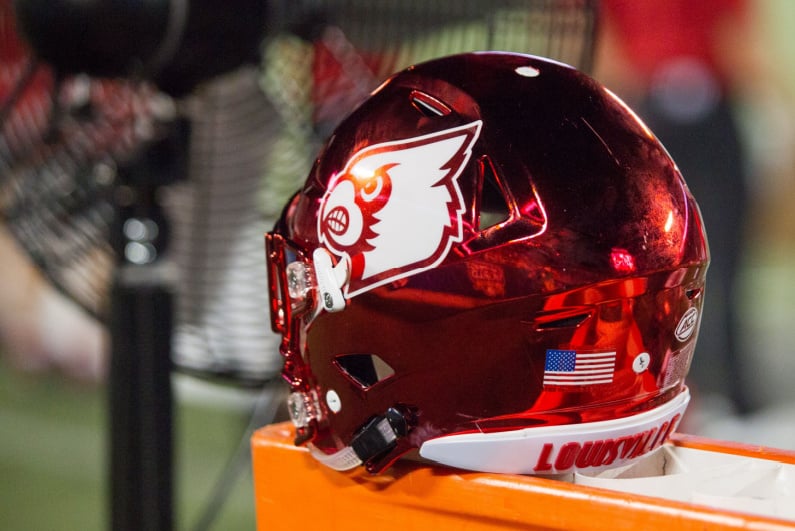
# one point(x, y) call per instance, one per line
point(503, 221)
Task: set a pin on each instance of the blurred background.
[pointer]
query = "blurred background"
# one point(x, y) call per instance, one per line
point(716, 82)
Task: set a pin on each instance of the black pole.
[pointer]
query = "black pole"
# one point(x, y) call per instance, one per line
point(140, 395)
point(141, 410)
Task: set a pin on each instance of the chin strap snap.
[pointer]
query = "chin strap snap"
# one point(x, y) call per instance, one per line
point(378, 436)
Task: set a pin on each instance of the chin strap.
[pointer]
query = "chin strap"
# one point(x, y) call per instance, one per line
point(342, 460)
point(378, 436)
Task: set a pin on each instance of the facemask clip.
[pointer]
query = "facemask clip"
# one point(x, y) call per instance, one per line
point(330, 280)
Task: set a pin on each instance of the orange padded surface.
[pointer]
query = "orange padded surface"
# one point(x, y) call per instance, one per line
point(293, 492)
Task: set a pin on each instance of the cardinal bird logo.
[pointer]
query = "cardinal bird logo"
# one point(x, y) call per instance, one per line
point(395, 209)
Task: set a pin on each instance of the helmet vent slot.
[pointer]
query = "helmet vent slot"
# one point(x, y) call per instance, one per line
point(494, 206)
point(428, 105)
point(366, 370)
point(570, 321)
point(693, 293)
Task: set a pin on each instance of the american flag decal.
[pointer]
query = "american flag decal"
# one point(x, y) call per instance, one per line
point(569, 367)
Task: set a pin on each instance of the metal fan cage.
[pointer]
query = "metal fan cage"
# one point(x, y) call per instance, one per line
point(253, 135)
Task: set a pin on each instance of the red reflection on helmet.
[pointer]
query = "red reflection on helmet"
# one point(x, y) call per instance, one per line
point(523, 278)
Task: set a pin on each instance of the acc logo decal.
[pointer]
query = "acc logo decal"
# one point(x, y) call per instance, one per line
point(687, 324)
point(395, 209)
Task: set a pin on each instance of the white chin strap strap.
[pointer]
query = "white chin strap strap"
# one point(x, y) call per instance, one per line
point(378, 436)
point(344, 459)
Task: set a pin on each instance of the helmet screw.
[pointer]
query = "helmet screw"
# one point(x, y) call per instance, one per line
point(397, 421)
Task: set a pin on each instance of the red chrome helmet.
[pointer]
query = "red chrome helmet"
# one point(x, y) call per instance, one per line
point(495, 262)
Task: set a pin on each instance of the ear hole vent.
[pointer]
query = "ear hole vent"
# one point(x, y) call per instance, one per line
point(364, 369)
point(428, 105)
point(564, 322)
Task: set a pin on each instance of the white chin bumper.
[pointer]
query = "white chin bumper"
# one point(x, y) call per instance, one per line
point(560, 449)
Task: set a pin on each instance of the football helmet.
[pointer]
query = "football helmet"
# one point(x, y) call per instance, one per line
point(494, 263)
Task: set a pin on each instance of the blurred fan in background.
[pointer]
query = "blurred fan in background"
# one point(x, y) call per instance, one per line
point(75, 114)
point(259, 92)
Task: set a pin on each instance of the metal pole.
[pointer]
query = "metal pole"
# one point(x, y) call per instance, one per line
point(140, 395)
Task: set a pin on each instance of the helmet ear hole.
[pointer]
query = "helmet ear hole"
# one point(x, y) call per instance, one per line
point(365, 370)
